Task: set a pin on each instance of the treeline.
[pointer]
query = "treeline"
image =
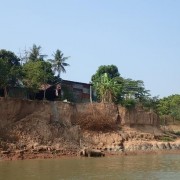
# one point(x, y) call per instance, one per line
point(169, 107)
point(110, 86)
point(31, 70)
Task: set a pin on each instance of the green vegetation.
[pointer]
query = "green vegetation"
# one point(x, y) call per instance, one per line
point(32, 74)
point(35, 73)
point(34, 54)
point(169, 107)
point(59, 62)
point(166, 138)
point(111, 87)
point(10, 70)
point(107, 88)
point(177, 133)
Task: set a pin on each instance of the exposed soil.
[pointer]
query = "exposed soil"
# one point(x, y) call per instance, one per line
point(36, 129)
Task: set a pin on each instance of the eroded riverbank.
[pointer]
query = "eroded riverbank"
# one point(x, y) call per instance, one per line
point(33, 129)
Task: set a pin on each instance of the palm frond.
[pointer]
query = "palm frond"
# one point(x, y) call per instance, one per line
point(63, 69)
point(65, 64)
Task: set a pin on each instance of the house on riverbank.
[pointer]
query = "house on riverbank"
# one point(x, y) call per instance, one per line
point(76, 91)
point(65, 90)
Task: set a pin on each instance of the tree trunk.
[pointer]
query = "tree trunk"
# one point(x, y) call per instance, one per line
point(5, 92)
point(173, 120)
point(90, 94)
point(44, 98)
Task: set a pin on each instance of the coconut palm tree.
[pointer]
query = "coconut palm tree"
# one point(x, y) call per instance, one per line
point(34, 54)
point(59, 62)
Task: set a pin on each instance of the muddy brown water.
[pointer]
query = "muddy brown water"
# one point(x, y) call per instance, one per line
point(165, 166)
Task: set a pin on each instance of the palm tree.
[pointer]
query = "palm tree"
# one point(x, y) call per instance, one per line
point(35, 53)
point(59, 62)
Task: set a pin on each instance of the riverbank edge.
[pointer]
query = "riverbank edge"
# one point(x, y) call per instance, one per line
point(14, 156)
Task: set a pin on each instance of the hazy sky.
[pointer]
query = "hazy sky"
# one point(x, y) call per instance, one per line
point(140, 37)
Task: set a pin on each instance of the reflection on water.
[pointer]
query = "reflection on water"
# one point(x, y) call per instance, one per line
point(128, 167)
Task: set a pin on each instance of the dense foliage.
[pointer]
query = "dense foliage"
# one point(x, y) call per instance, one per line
point(107, 83)
point(111, 70)
point(107, 88)
point(34, 73)
point(10, 70)
point(169, 106)
point(111, 87)
point(37, 73)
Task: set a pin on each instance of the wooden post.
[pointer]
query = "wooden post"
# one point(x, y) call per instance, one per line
point(90, 93)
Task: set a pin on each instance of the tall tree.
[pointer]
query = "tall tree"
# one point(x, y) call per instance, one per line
point(4, 75)
point(10, 70)
point(134, 89)
point(36, 74)
point(133, 92)
point(111, 70)
point(130, 91)
point(169, 106)
point(34, 54)
point(10, 57)
point(59, 62)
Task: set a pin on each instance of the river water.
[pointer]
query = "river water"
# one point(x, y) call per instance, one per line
point(127, 167)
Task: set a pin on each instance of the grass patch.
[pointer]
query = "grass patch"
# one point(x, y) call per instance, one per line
point(177, 133)
point(166, 138)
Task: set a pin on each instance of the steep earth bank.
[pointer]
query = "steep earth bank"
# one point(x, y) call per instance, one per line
point(36, 129)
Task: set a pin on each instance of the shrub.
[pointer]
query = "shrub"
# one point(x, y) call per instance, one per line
point(96, 121)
